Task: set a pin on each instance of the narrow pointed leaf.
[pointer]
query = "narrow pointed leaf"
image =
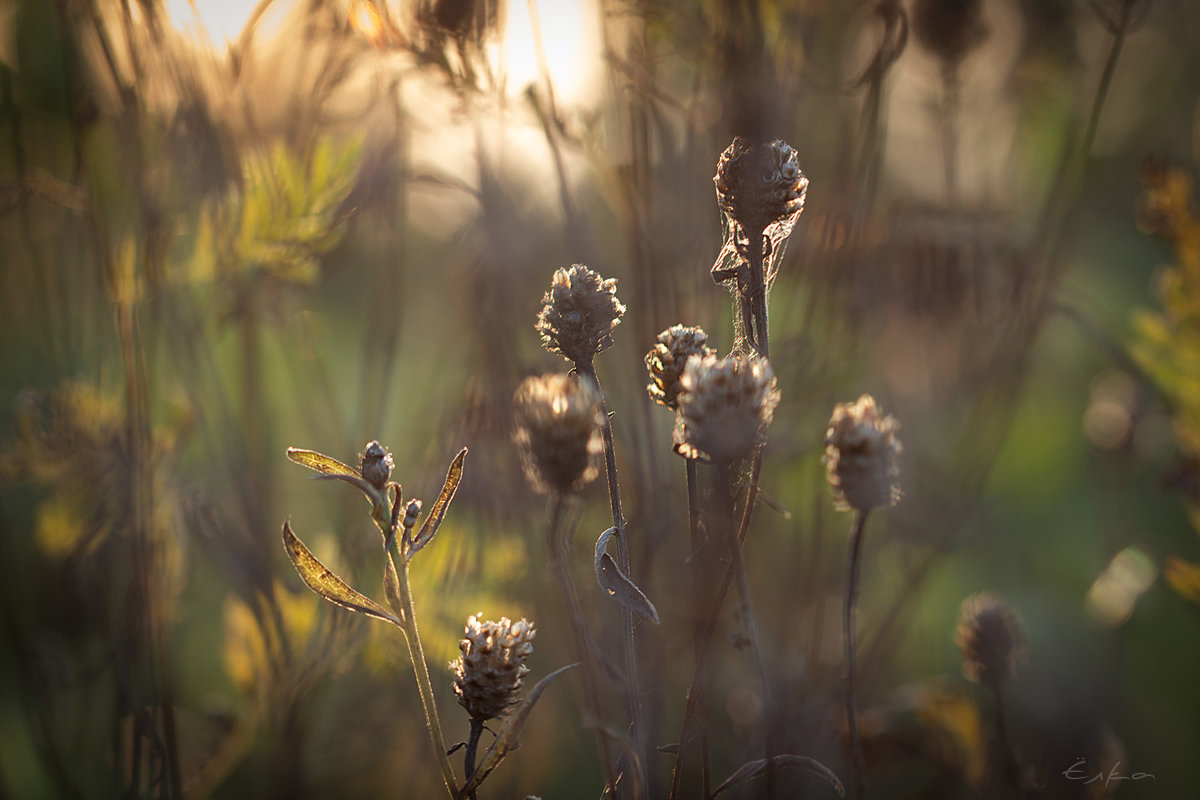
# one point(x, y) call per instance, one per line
point(506, 739)
point(326, 583)
point(319, 462)
point(753, 769)
point(617, 585)
point(438, 512)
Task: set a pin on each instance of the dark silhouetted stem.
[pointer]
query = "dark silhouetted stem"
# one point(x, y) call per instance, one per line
point(554, 547)
point(629, 646)
point(472, 748)
point(1008, 759)
point(856, 752)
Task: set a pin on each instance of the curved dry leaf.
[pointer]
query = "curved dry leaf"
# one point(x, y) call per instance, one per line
point(319, 462)
point(617, 585)
point(438, 512)
point(506, 739)
point(326, 582)
point(753, 769)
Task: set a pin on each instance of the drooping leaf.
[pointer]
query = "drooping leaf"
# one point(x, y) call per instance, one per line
point(506, 739)
point(326, 583)
point(617, 585)
point(753, 769)
point(438, 512)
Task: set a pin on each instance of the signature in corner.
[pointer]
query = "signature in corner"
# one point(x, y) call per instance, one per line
point(1079, 772)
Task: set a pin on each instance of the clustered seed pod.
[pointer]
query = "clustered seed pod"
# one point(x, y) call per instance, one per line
point(725, 406)
point(667, 360)
point(991, 637)
point(376, 465)
point(862, 456)
point(558, 432)
point(579, 313)
point(487, 676)
point(759, 185)
point(950, 29)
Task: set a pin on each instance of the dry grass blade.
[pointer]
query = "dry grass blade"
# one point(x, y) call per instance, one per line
point(326, 583)
point(753, 769)
point(506, 739)
point(617, 584)
point(453, 478)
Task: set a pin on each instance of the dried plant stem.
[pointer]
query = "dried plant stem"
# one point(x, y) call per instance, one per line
point(632, 675)
point(738, 567)
point(1008, 759)
point(757, 301)
point(856, 752)
point(472, 748)
point(416, 654)
point(591, 697)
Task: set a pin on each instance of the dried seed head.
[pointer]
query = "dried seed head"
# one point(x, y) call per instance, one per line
point(376, 465)
point(668, 358)
point(862, 456)
point(579, 313)
point(760, 185)
point(487, 676)
point(950, 29)
point(991, 637)
point(558, 432)
point(724, 406)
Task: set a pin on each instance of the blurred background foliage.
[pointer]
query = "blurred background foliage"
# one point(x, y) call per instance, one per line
point(321, 222)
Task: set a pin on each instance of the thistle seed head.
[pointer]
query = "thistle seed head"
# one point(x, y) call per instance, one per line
point(666, 361)
point(862, 456)
point(579, 313)
point(376, 465)
point(724, 406)
point(558, 432)
point(991, 636)
point(759, 185)
point(487, 676)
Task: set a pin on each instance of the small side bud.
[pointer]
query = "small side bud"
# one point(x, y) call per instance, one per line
point(411, 512)
point(376, 465)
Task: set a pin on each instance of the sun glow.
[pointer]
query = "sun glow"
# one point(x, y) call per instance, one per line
point(567, 41)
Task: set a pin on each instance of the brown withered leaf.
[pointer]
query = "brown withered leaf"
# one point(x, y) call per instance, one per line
point(326, 583)
point(753, 769)
point(438, 512)
point(506, 739)
point(319, 462)
point(617, 585)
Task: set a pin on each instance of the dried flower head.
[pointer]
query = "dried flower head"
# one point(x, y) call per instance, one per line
point(376, 465)
point(760, 185)
point(724, 406)
point(950, 29)
point(579, 313)
point(991, 637)
point(666, 361)
point(487, 676)
point(862, 456)
point(558, 432)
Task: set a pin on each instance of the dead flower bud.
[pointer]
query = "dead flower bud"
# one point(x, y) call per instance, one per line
point(666, 361)
point(579, 313)
point(862, 456)
point(487, 676)
point(991, 637)
point(376, 465)
point(724, 406)
point(759, 185)
point(558, 432)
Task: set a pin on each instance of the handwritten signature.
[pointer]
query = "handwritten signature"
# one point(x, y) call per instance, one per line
point(1078, 772)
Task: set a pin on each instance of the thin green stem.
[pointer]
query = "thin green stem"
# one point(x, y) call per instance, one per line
point(856, 752)
point(416, 654)
point(554, 547)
